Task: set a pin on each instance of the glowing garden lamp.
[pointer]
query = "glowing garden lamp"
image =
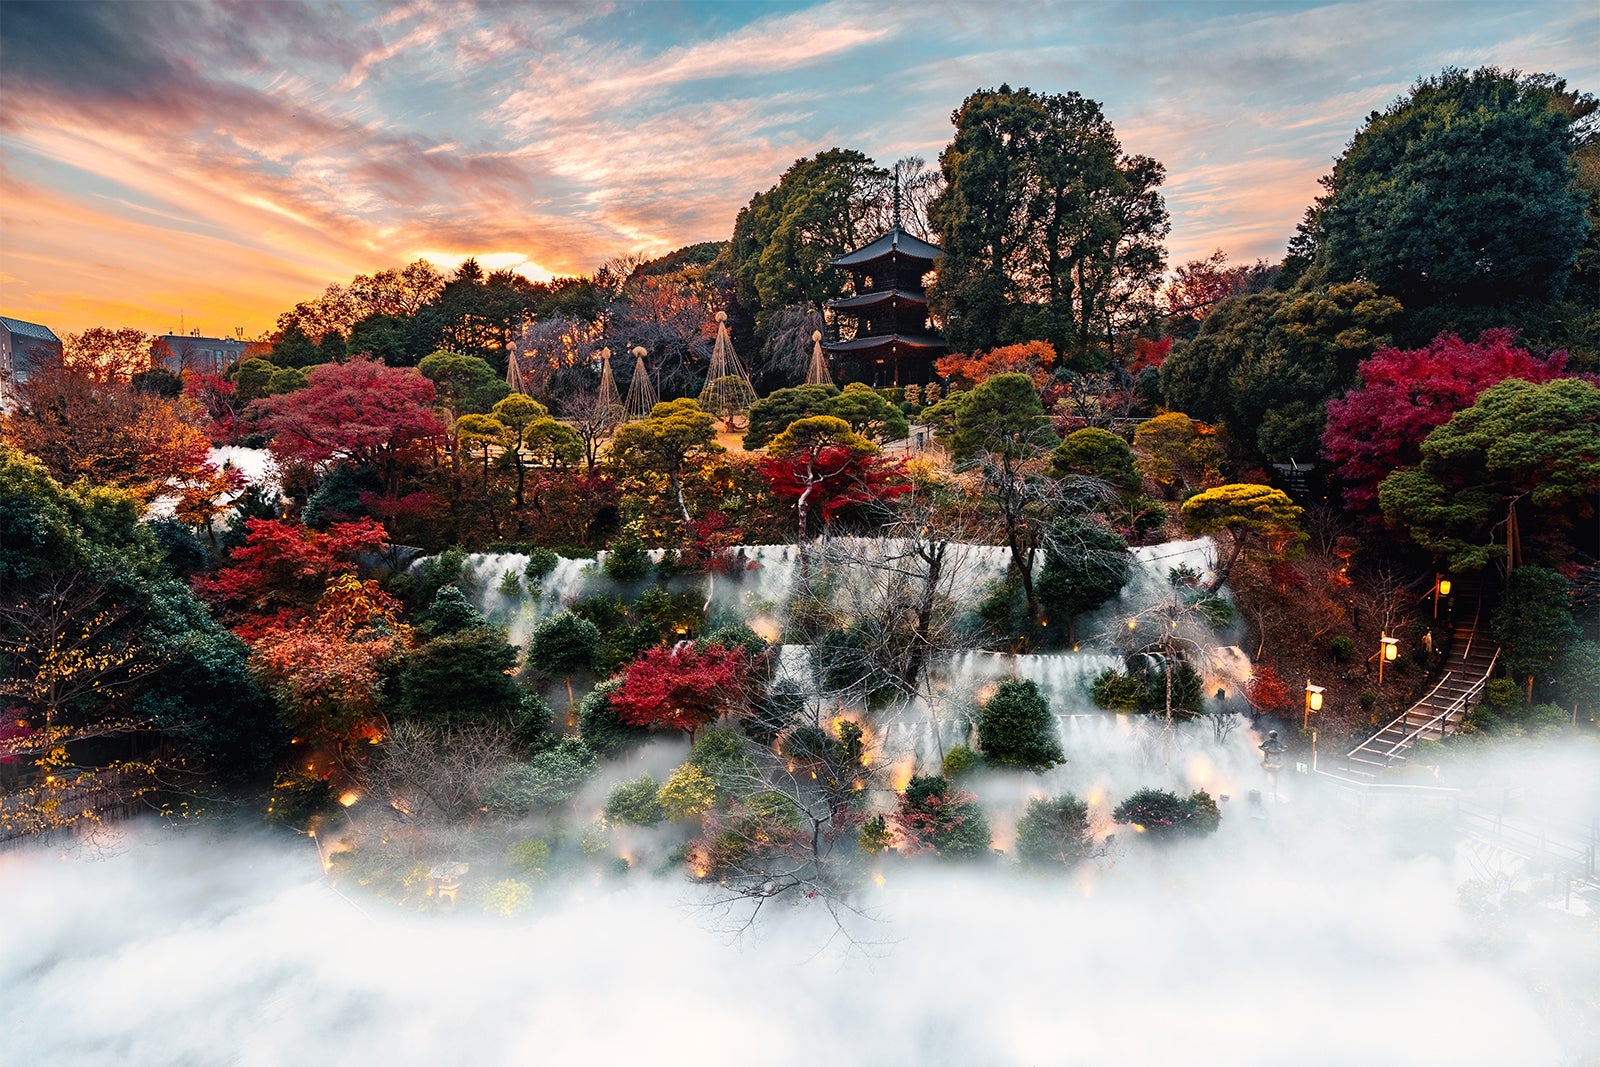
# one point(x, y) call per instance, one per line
point(1313, 703)
point(1441, 587)
point(1388, 650)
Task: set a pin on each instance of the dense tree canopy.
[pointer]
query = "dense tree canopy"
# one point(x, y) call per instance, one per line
point(1404, 394)
point(1265, 364)
point(1459, 194)
point(1049, 231)
point(821, 208)
point(1522, 462)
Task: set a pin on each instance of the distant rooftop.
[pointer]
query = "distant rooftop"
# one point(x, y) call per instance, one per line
point(28, 329)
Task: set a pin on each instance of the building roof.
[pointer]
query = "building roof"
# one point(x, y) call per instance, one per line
point(897, 242)
point(28, 329)
point(194, 338)
point(880, 298)
point(919, 343)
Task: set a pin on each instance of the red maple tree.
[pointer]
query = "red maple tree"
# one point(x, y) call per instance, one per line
point(1405, 394)
point(215, 397)
point(682, 688)
point(1266, 691)
point(282, 570)
point(323, 670)
point(362, 411)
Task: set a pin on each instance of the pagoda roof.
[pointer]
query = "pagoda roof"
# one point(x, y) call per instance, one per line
point(879, 299)
point(916, 342)
point(896, 243)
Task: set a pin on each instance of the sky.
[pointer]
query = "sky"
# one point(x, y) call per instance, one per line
point(209, 165)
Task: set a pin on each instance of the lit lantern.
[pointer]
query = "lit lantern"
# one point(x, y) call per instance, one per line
point(1388, 652)
point(1313, 702)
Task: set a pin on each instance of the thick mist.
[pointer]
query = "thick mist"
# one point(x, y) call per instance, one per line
point(1303, 932)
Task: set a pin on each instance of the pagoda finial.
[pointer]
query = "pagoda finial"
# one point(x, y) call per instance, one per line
point(897, 198)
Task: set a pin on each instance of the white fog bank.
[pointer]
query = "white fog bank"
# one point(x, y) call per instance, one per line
point(1301, 938)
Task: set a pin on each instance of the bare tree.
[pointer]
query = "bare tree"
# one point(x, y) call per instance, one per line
point(437, 778)
point(788, 822)
point(593, 418)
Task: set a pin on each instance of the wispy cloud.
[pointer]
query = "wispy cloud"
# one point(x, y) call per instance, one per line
point(242, 155)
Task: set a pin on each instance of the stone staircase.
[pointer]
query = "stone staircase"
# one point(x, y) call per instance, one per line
point(1466, 672)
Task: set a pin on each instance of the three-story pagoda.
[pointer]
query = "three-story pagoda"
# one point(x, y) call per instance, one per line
point(883, 328)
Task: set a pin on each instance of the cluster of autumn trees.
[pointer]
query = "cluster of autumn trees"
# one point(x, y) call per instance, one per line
point(1087, 406)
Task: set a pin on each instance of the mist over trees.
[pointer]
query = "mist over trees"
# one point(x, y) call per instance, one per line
point(512, 610)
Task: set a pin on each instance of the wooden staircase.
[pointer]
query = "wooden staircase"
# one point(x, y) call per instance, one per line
point(1466, 673)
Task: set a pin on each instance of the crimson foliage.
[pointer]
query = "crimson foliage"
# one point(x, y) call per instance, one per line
point(682, 688)
point(1406, 393)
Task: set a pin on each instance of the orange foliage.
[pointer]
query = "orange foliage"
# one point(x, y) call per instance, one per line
point(324, 671)
point(1033, 359)
point(103, 431)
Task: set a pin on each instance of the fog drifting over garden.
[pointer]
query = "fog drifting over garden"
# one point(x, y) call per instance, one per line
point(1299, 933)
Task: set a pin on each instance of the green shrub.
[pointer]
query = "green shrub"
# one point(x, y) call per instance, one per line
point(596, 838)
point(511, 585)
point(1503, 693)
point(1343, 648)
point(529, 855)
point(1160, 814)
point(1054, 830)
point(634, 803)
point(960, 761)
point(626, 559)
point(874, 836)
point(507, 897)
point(1016, 729)
point(541, 561)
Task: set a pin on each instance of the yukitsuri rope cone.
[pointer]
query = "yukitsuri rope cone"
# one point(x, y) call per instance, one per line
point(641, 391)
point(609, 397)
point(728, 392)
point(514, 370)
point(818, 373)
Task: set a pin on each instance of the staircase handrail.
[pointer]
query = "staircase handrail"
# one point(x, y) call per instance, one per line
point(1403, 716)
point(1459, 703)
point(1477, 612)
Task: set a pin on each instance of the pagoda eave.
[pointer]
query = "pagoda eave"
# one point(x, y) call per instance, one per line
point(894, 344)
point(888, 298)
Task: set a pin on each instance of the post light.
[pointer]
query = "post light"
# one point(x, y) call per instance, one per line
point(1313, 702)
point(1388, 650)
point(1441, 587)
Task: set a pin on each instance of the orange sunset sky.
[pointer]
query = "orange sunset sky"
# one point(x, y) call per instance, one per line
point(212, 164)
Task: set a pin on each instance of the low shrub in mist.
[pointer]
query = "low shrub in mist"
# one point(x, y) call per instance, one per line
point(299, 799)
point(960, 761)
point(634, 803)
point(548, 778)
point(936, 817)
point(507, 897)
point(1166, 815)
point(1054, 830)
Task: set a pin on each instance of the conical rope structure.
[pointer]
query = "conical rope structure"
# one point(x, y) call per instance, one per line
point(514, 370)
point(641, 391)
point(728, 392)
point(609, 397)
point(818, 373)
